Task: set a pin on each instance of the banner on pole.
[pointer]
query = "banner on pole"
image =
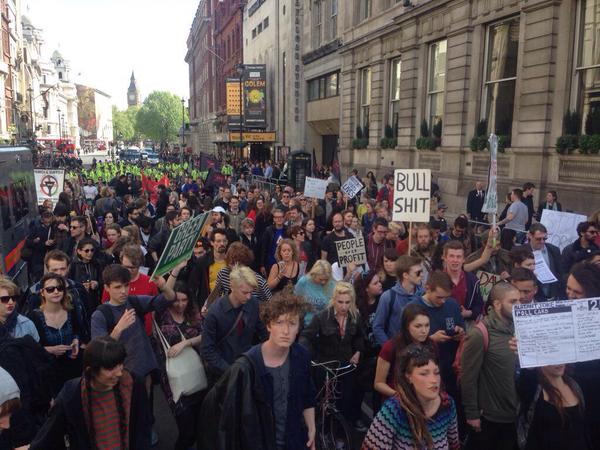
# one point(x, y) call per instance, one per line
point(412, 195)
point(490, 205)
point(351, 251)
point(180, 244)
point(315, 187)
point(49, 184)
point(352, 186)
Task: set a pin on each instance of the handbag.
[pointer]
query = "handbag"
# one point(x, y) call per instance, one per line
point(185, 371)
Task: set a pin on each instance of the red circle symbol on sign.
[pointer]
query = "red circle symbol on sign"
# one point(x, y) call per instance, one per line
point(49, 185)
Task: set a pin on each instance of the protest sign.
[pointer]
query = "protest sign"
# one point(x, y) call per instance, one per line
point(412, 195)
point(215, 179)
point(315, 187)
point(542, 271)
point(351, 251)
point(48, 184)
point(487, 281)
point(562, 227)
point(352, 186)
point(180, 244)
point(558, 332)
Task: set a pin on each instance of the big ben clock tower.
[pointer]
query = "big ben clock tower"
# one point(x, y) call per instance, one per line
point(133, 95)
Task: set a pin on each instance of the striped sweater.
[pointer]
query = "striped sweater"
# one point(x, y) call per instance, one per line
point(390, 429)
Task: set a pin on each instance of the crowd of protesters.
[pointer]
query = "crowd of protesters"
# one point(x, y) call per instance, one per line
point(263, 295)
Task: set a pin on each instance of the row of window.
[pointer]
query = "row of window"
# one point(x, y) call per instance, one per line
point(260, 28)
point(323, 87)
point(324, 21)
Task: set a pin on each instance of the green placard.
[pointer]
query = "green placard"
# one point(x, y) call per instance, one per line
point(180, 244)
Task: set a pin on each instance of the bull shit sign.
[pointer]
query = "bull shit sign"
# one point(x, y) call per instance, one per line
point(412, 195)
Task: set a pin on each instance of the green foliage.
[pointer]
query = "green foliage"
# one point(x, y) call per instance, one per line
point(571, 123)
point(589, 144)
point(592, 121)
point(359, 133)
point(388, 142)
point(424, 129)
point(481, 128)
point(478, 143)
point(567, 144)
point(437, 129)
point(360, 143)
point(388, 132)
point(427, 143)
point(504, 142)
point(159, 118)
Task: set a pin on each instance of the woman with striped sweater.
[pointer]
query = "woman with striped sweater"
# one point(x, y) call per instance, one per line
point(420, 416)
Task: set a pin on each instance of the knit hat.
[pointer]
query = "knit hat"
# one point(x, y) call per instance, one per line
point(8, 387)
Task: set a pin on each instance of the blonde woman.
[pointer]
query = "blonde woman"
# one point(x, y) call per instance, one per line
point(60, 328)
point(335, 334)
point(316, 287)
point(287, 268)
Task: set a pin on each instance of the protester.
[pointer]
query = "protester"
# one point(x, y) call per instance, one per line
point(422, 415)
point(10, 399)
point(287, 269)
point(316, 287)
point(537, 236)
point(387, 275)
point(274, 406)
point(13, 324)
point(487, 375)
point(581, 248)
point(391, 303)
point(106, 408)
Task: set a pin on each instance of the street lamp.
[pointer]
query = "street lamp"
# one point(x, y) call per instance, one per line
point(182, 128)
point(59, 126)
point(240, 69)
point(30, 91)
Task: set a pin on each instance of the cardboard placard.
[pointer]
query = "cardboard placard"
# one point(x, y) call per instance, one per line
point(352, 186)
point(487, 281)
point(351, 251)
point(561, 226)
point(412, 195)
point(315, 188)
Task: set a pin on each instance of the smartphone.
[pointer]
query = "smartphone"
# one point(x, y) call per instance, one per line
point(450, 326)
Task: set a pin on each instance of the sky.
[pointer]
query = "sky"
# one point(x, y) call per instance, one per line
point(105, 40)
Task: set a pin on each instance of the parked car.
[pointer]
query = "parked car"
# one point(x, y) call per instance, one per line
point(153, 158)
point(130, 155)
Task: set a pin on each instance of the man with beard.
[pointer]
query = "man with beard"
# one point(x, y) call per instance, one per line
point(424, 248)
point(339, 233)
point(488, 375)
point(204, 274)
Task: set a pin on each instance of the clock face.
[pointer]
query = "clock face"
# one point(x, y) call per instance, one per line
point(132, 97)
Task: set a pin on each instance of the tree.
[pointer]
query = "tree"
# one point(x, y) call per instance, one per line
point(124, 123)
point(159, 118)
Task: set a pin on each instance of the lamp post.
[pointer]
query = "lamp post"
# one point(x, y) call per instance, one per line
point(59, 126)
point(30, 91)
point(240, 69)
point(182, 128)
point(64, 129)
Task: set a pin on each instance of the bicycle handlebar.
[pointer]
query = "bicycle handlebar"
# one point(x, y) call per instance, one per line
point(334, 367)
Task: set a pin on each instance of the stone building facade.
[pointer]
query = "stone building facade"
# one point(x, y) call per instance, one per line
point(513, 67)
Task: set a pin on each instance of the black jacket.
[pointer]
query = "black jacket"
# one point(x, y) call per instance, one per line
point(67, 418)
point(237, 414)
point(475, 204)
point(323, 340)
point(574, 253)
point(198, 279)
point(266, 244)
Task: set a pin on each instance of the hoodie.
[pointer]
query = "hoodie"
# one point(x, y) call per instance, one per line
point(8, 387)
point(389, 311)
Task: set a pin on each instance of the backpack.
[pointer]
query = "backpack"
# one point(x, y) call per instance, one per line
point(109, 318)
point(456, 365)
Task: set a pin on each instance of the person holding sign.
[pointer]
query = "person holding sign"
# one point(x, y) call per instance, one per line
point(488, 375)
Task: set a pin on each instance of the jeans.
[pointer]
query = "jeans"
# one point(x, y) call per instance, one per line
point(493, 436)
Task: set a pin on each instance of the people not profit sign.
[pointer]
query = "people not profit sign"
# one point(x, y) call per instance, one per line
point(412, 195)
point(351, 251)
point(180, 244)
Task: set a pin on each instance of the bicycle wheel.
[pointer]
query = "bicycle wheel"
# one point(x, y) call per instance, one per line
point(334, 433)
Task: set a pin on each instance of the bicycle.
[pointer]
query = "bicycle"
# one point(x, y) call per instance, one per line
point(333, 431)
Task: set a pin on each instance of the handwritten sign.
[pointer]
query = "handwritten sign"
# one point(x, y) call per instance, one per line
point(558, 332)
point(487, 281)
point(352, 186)
point(562, 227)
point(351, 251)
point(412, 195)
point(315, 187)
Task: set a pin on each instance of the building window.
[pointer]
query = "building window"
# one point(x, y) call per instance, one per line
point(253, 33)
point(436, 82)
point(365, 96)
point(395, 71)
point(364, 9)
point(333, 20)
point(325, 86)
point(501, 76)
point(587, 70)
point(259, 28)
point(317, 22)
point(266, 23)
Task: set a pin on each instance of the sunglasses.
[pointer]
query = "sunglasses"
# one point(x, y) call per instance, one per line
point(7, 298)
point(87, 250)
point(51, 289)
point(74, 227)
